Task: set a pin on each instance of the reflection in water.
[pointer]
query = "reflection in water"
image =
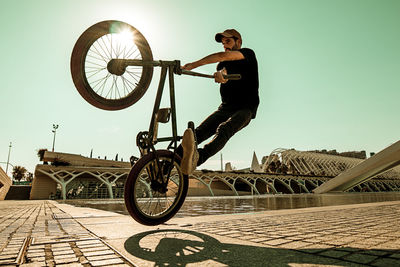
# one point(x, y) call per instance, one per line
point(197, 206)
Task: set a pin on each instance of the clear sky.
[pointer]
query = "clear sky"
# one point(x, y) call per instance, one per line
point(329, 74)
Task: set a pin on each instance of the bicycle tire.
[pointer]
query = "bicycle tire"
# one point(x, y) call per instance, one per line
point(138, 190)
point(90, 56)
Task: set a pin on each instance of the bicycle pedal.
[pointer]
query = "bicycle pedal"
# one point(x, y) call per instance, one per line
point(163, 115)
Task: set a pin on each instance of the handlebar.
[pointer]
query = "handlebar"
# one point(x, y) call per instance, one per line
point(118, 66)
point(228, 76)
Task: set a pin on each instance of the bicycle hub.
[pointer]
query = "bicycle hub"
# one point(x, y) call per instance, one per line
point(116, 66)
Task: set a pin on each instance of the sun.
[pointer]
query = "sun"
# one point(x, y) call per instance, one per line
point(125, 36)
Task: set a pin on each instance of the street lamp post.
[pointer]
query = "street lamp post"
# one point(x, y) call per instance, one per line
point(55, 127)
point(8, 159)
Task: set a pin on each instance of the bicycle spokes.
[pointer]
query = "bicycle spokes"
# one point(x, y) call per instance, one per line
point(158, 188)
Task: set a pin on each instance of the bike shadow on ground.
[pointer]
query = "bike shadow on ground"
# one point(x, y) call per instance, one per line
point(182, 247)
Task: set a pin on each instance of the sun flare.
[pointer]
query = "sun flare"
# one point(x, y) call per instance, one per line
point(125, 36)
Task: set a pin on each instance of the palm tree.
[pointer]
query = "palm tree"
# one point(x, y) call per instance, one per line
point(18, 172)
point(40, 153)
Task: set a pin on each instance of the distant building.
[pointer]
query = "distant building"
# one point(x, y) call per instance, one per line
point(255, 165)
point(75, 176)
point(228, 167)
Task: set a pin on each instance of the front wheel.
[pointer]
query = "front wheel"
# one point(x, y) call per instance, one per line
point(95, 79)
point(151, 197)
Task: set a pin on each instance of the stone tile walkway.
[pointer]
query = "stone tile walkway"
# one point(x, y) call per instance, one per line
point(37, 233)
point(47, 233)
point(367, 235)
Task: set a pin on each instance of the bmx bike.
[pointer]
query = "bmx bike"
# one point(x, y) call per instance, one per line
point(112, 67)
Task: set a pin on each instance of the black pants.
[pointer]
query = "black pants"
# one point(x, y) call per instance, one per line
point(223, 124)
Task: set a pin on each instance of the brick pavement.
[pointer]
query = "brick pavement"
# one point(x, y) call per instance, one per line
point(37, 233)
point(46, 233)
point(367, 235)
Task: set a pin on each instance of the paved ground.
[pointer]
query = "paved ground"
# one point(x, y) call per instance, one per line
point(46, 233)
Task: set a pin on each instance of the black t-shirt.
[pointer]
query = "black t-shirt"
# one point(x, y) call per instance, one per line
point(243, 93)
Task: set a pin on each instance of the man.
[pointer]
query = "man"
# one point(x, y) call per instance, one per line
point(239, 100)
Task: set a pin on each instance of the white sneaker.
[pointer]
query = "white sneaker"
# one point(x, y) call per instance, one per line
point(190, 153)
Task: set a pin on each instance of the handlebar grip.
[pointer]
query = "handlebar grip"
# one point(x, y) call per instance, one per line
point(233, 76)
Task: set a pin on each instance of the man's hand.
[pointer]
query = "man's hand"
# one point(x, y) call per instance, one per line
point(218, 76)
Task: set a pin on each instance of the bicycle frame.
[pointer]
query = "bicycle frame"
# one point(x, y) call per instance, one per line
point(167, 68)
point(118, 66)
point(148, 142)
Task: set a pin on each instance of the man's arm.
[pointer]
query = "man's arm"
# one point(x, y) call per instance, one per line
point(214, 58)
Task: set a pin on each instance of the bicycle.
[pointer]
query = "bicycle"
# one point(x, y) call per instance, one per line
point(112, 66)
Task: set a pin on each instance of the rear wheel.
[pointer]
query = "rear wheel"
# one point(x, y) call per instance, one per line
point(90, 60)
point(150, 198)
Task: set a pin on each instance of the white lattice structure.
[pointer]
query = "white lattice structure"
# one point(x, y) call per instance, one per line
point(86, 182)
point(377, 166)
point(245, 183)
point(291, 161)
point(305, 172)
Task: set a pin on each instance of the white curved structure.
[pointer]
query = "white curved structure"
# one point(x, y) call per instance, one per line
point(305, 172)
point(5, 183)
point(379, 163)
